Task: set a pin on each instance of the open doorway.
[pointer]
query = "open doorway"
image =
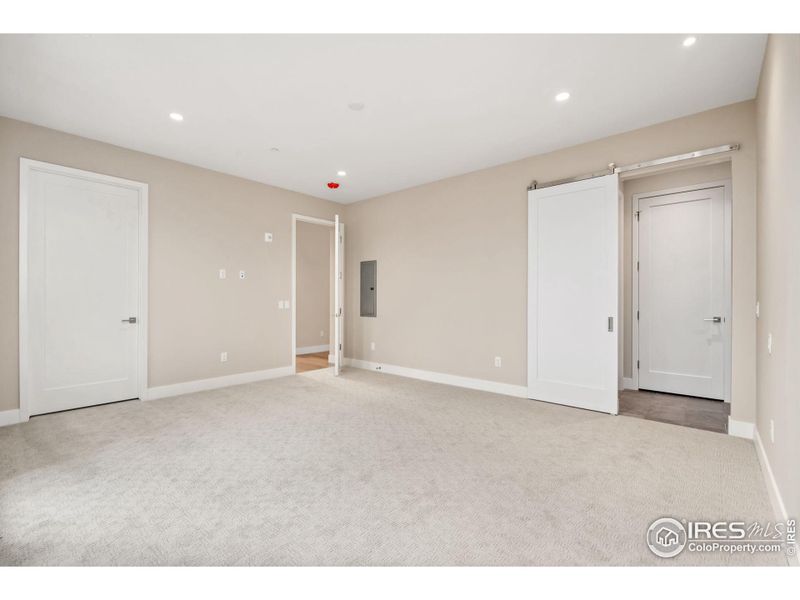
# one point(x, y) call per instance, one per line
point(313, 294)
point(676, 353)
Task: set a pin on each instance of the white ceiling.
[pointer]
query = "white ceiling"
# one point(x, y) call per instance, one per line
point(436, 105)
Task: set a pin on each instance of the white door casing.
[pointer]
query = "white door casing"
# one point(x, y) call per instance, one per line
point(683, 292)
point(573, 272)
point(338, 350)
point(83, 261)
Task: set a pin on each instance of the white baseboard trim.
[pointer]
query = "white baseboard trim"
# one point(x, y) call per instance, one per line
point(9, 417)
point(507, 389)
point(778, 506)
point(313, 349)
point(200, 385)
point(629, 384)
point(742, 429)
point(772, 485)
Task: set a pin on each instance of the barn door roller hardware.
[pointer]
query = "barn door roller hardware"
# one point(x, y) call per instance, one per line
point(656, 162)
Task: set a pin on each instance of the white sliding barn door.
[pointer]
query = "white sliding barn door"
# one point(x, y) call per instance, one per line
point(338, 287)
point(573, 272)
point(82, 288)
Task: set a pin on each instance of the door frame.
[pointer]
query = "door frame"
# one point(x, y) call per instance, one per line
point(316, 221)
point(726, 184)
point(26, 167)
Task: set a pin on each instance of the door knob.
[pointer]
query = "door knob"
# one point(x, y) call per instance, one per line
point(129, 320)
point(714, 319)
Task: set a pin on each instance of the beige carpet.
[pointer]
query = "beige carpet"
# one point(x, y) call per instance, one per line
point(367, 469)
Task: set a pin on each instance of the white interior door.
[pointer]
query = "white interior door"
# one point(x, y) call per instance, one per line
point(82, 327)
point(338, 350)
point(683, 320)
point(573, 273)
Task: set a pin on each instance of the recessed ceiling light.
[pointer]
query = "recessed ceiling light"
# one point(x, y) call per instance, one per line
point(689, 41)
point(341, 173)
point(176, 116)
point(563, 96)
point(356, 106)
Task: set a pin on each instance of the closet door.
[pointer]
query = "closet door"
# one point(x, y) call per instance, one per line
point(573, 274)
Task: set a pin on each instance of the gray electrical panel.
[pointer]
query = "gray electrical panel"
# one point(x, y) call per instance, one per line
point(369, 288)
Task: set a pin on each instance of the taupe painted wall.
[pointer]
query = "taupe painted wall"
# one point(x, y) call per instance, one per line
point(653, 183)
point(779, 262)
point(452, 255)
point(313, 284)
point(200, 221)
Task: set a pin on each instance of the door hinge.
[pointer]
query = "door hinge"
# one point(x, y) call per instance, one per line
point(637, 315)
point(637, 215)
point(637, 265)
point(637, 364)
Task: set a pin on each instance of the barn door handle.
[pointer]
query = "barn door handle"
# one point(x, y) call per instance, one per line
point(129, 320)
point(714, 319)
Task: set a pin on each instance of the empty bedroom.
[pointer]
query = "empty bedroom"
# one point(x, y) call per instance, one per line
point(442, 299)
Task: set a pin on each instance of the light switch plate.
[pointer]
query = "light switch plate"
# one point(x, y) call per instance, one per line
point(222, 274)
point(223, 357)
point(267, 237)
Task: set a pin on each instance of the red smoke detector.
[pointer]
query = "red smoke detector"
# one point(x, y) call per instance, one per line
point(333, 185)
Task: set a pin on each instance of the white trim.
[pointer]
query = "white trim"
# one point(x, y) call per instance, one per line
point(338, 295)
point(726, 184)
point(507, 389)
point(306, 219)
point(9, 417)
point(774, 492)
point(742, 429)
point(330, 358)
point(629, 383)
point(26, 165)
point(313, 349)
point(772, 485)
point(213, 383)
